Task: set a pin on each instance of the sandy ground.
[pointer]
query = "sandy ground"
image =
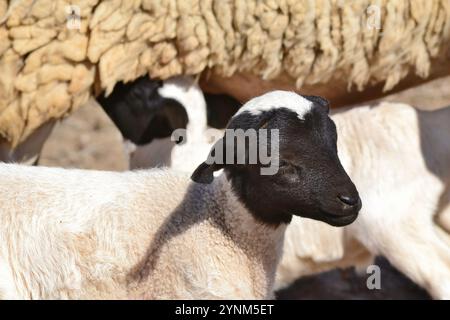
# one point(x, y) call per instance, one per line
point(88, 139)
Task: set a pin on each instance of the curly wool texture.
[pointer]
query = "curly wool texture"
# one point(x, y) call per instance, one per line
point(48, 70)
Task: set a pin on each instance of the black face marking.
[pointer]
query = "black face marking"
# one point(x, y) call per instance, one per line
point(310, 182)
point(140, 113)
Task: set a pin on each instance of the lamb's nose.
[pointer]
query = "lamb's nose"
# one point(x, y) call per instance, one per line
point(349, 200)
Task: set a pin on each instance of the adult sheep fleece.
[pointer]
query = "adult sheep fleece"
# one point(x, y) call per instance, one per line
point(49, 70)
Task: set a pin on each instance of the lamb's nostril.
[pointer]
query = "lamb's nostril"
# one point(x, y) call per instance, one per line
point(349, 200)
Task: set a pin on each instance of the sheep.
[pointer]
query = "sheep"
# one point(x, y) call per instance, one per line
point(172, 150)
point(149, 114)
point(141, 113)
point(68, 233)
point(370, 141)
point(143, 116)
point(55, 55)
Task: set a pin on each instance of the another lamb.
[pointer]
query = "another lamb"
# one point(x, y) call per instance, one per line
point(155, 234)
point(147, 112)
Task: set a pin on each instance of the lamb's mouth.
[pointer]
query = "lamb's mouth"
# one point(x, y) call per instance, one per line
point(337, 220)
point(331, 218)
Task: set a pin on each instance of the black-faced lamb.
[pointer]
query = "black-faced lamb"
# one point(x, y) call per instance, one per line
point(147, 112)
point(392, 150)
point(156, 234)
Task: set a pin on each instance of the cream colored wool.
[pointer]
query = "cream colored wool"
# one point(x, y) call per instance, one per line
point(48, 70)
point(150, 234)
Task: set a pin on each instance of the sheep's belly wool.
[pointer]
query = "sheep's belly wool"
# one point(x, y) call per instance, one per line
point(54, 56)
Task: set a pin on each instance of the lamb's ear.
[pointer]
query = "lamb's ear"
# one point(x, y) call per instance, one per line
point(319, 101)
point(218, 154)
point(205, 171)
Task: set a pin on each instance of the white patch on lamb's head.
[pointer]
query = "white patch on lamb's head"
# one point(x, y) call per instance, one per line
point(278, 99)
point(187, 92)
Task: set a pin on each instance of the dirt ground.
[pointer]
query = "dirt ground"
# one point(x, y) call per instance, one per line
point(88, 139)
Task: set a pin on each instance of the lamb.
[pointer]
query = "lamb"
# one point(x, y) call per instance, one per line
point(141, 113)
point(150, 115)
point(410, 147)
point(155, 234)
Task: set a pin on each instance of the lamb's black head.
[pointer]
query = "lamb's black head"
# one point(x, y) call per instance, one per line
point(141, 112)
point(301, 175)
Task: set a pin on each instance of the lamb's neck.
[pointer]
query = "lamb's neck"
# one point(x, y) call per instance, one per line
point(242, 222)
point(262, 243)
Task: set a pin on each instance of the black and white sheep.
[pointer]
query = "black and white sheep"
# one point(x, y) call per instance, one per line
point(392, 150)
point(156, 234)
point(147, 112)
